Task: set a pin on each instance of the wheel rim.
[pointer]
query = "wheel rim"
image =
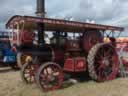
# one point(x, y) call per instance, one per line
point(29, 73)
point(106, 63)
point(50, 77)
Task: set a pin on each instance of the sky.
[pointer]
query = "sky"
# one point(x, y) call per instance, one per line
point(113, 12)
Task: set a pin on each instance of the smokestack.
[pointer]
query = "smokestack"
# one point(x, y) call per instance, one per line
point(40, 12)
point(40, 8)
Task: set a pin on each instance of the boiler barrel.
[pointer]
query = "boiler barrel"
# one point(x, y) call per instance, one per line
point(47, 54)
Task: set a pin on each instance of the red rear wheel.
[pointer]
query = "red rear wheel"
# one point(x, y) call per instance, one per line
point(49, 76)
point(103, 62)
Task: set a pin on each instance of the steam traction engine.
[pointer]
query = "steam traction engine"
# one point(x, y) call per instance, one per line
point(73, 47)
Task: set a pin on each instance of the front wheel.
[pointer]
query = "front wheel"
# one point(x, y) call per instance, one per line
point(103, 62)
point(49, 76)
point(28, 72)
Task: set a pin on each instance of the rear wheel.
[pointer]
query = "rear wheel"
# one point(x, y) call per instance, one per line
point(49, 76)
point(102, 62)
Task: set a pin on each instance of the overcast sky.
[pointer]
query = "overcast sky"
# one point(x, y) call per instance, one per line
point(113, 12)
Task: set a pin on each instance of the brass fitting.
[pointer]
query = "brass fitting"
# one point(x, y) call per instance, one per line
point(28, 59)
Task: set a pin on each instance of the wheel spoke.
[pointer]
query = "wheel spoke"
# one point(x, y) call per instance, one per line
point(46, 71)
point(98, 57)
point(100, 73)
point(102, 52)
point(108, 52)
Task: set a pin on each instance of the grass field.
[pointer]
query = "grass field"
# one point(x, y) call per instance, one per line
point(12, 85)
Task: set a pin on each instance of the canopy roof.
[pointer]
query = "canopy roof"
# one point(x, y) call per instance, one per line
point(61, 25)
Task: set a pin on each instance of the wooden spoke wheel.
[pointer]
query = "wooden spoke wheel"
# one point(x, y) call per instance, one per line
point(21, 57)
point(103, 62)
point(49, 76)
point(28, 72)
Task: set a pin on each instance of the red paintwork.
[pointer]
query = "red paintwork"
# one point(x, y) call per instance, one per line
point(26, 36)
point(77, 64)
point(69, 65)
point(80, 64)
point(90, 38)
point(62, 25)
point(58, 55)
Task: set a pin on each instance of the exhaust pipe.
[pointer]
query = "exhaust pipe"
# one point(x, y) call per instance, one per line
point(40, 12)
point(40, 8)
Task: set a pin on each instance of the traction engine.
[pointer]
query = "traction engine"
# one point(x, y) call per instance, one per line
point(73, 47)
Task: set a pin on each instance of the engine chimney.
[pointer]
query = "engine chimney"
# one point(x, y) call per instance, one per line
point(40, 27)
point(40, 8)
